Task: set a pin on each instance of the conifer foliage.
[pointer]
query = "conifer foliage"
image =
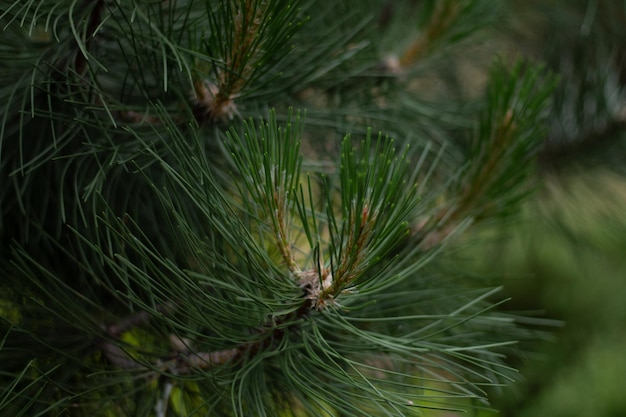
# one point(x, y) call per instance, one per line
point(236, 207)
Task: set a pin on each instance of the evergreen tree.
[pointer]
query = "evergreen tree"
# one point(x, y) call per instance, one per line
point(200, 217)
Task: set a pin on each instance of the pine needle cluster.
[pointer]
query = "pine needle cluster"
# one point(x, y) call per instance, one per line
point(199, 216)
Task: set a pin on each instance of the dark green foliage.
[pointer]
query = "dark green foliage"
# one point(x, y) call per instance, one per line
point(582, 40)
point(199, 215)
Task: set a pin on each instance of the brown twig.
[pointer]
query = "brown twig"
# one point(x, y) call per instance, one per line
point(353, 252)
point(488, 168)
point(135, 320)
point(282, 232)
point(435, 229)
point(188, 361)
point(444, 16)
point(216, 100)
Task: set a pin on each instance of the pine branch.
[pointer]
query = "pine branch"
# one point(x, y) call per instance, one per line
point(186, 359)
point(442, 17)
point(246, 33)
point(233, 275)
point(217, 100)
point(497, 171)
point(442, 22)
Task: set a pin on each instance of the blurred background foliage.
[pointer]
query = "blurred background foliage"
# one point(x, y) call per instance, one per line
point(564, 259)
